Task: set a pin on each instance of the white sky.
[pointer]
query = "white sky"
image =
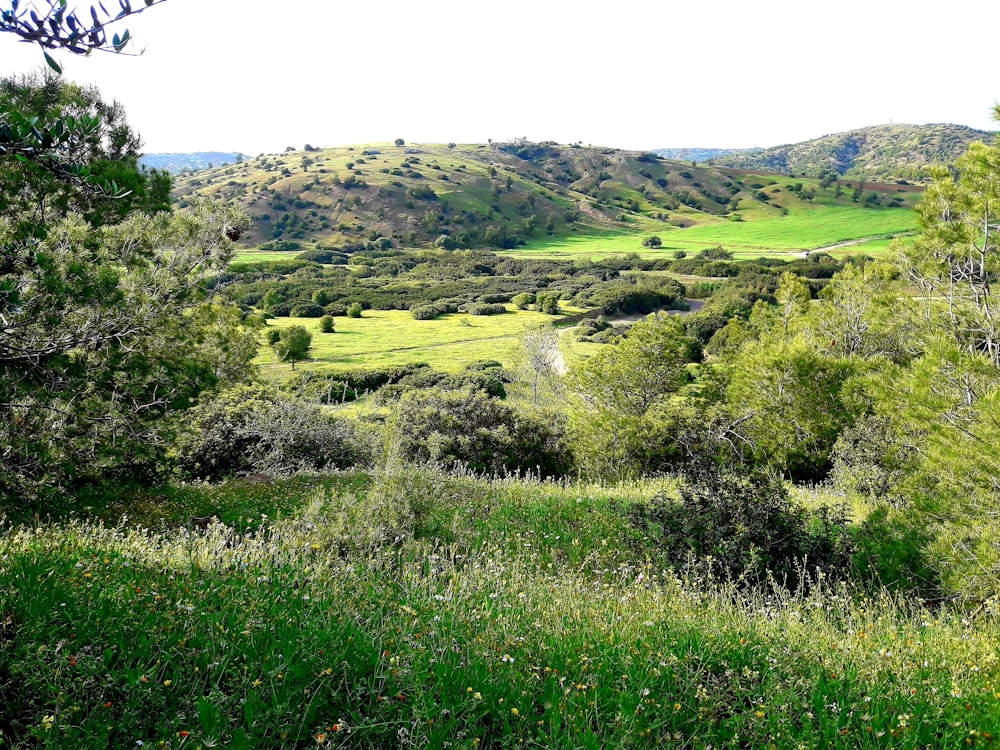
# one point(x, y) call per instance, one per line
point(252, 76)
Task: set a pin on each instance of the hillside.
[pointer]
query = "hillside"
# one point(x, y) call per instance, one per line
point(500, 195)
point(881, 152)
point(176, 163)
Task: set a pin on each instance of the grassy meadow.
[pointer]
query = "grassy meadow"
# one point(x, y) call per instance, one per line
point(773, 236)
point(384, 338)
point(416, 609)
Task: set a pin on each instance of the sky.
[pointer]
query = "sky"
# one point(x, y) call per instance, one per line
point(256, 77)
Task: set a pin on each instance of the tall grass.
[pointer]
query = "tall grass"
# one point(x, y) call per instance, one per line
point(432, 611)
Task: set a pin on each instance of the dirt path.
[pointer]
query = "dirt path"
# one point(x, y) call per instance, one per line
point(827, 248)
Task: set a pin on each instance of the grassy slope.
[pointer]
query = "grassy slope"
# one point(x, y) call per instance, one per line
point(604, 193)
point(532, 622)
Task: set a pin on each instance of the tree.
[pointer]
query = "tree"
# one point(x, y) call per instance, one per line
point(101, 337)
point(399, 142)
point(616, 396)
point(792, 401)
point(293, 344)
point(62, 149)
point(652, 241)
point(956, 257)
point(540, 347)
point(793, 299)
point(104, 327)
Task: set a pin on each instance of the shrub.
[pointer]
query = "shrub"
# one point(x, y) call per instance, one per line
point(280, 309)
point(491, 299)
point(334, 387)
point(653, 241)
point(548, 303)
point(431, 311)
point(326, 324)
point(422, 193)
point(251, 429)
point(468, 428)
point(335, 309)
point(484, 309)
point(354, 310)
point(273, 336)
point(742, 526)
point(280, 245)
point(523, 300)
point(307, 310)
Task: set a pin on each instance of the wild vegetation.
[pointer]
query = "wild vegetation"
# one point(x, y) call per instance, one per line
point(520, 194)
point(880, 153)
point(766, 522)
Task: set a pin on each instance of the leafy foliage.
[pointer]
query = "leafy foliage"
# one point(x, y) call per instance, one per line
point(744, 527)
point(97, 345)
point(466, 427)
point(252, 429)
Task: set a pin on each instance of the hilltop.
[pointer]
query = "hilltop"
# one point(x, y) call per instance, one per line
point(880, 152)
point(498, 195)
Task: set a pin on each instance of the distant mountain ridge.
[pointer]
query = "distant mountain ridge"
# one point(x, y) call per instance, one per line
point(880, 152)
point(701, 154)
point(190, 162)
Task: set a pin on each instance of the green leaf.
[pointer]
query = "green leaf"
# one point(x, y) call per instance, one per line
point(52, 63)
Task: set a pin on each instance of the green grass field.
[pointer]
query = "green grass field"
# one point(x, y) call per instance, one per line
point(246, 255)
point(807, 228)
point(504, 615)
point(381, 338)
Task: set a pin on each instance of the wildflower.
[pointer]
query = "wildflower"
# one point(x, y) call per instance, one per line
point(507, 659)
point(48, 721)
point(168, 683)
point(515, 712)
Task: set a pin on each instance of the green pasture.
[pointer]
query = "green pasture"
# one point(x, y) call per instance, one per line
point(249, 255)
point(774, 236)
point(383, 338)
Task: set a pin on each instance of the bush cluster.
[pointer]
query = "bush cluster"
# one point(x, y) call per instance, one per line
point(468, 428)
point(253, 429)
point(484, 309)
point(744, 527)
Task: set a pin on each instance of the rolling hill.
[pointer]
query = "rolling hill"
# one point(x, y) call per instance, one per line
point(881, 152)
point(499, 195)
